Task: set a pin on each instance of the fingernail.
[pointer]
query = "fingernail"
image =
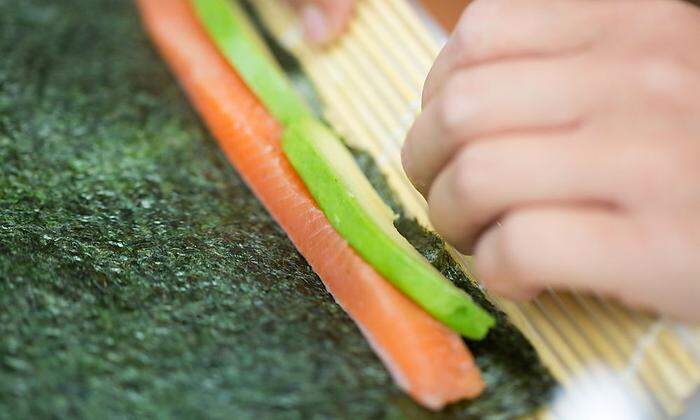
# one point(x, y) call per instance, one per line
point(315, 24)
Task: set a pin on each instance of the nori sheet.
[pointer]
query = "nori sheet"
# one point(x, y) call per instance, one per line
point(140, 278)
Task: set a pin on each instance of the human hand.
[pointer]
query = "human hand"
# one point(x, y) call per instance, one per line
point(560, 144)
point(323, 20)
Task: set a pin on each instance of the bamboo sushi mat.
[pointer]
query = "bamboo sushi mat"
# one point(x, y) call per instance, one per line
point(370, 85)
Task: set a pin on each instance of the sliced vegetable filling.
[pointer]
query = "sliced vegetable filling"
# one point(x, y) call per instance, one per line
point(231, 30)
point(341, 189)
point(358, 213)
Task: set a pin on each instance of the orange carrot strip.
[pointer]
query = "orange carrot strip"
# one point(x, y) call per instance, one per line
point(426, 359)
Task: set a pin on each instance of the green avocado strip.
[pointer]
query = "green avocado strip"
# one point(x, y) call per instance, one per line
point(358, 213)
point(337, 184)
point(236, 38)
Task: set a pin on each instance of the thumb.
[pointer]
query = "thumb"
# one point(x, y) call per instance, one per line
point(324, 20)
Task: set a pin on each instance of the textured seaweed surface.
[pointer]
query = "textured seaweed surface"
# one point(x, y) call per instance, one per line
point(139, 278)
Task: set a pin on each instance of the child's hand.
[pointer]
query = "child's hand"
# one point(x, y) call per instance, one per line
point(576, 124)
point(323, 20)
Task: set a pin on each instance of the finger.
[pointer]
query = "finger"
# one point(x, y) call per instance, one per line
point(566, 248)
point(502, 29)
point(487, 100)
point(324, 20)
point(489, 178)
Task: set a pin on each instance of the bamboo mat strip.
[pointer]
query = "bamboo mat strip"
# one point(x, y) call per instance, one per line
point(370, 84)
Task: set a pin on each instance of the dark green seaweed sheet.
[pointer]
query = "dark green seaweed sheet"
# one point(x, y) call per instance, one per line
point(140, 278)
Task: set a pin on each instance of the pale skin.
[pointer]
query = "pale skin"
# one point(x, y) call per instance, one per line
point(323, 20)
point(559, 143)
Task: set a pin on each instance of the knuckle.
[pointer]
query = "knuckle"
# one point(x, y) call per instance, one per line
point(486, 10)
point(458, 106)
point(477, 12)
point(513, 245)
point(464, 31)
point(449, 111)
point(465, 36)
point(471, 179)
point(479, 24)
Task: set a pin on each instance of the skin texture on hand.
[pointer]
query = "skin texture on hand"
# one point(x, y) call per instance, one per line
point(324, 20)
point(560, 144)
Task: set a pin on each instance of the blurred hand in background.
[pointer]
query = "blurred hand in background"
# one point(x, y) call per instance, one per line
point(324, 20)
